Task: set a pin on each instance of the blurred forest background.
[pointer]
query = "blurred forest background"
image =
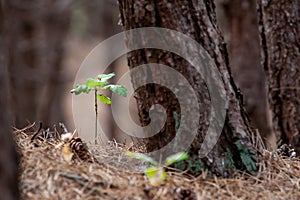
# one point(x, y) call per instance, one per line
point(44, 42)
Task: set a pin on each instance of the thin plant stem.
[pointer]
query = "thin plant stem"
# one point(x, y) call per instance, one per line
point(96, 117)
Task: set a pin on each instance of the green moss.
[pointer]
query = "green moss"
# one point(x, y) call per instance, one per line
point(229, 162)
point(194, 166)
point(247, 157)
point(177, 121)
point(179, 165)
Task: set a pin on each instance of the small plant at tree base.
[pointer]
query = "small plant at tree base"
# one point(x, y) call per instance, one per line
point(156, 173)
point(97, 84)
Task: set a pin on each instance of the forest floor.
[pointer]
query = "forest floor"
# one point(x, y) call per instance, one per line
point(44, 174)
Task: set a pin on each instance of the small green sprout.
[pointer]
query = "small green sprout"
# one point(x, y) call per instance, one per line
point(156, 172)
point(97, 84)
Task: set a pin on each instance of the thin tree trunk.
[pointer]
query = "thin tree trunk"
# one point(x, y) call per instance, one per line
point(33, 33)
point(234, 150)
point(280, 47)
point(240, 26)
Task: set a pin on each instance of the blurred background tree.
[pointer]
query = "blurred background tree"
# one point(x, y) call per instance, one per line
point(280, 48)
point(44, 44)
point(33, 37)
point(239, 23)
point(8, 156)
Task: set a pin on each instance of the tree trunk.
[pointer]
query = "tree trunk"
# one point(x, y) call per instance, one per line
point(280, 47)
point(234, 149)
point(9, 159)
point(102, 17)
point(240, 27)
point(34, 32)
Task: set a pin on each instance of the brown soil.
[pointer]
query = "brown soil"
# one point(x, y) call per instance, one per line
point(46, 175)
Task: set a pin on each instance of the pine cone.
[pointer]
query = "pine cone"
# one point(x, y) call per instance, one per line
point(80, 149)
point(184, 194)
point(286, 150)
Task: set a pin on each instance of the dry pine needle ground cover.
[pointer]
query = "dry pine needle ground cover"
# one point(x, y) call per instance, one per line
point(44, 174)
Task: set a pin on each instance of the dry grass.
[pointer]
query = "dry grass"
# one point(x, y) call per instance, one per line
point(45, 175)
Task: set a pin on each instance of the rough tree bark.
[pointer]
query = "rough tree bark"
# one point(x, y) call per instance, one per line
point(33, 34)
point(196, 18)
point(280, 47)
point(240, 27)
point(8, 163)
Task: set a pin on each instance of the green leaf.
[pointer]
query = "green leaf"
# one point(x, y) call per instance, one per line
point(80, 89)
point(118, 89)
point(163, 175)
point(151, 171)
point(176, 158)
point(103, 98)
point(105, 77)
point(76, 90)
point(94, 83)
point(156, 175)
point(142, 157)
